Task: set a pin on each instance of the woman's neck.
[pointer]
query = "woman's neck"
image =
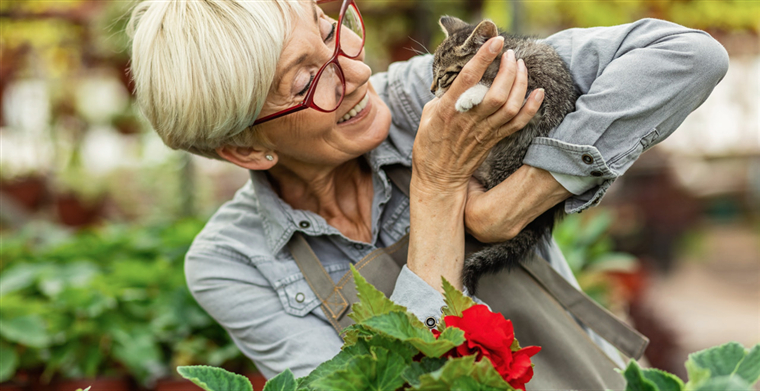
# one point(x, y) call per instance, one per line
point(341, 195)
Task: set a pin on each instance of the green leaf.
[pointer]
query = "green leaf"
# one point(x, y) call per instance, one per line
point(720, 360)
point(416, 369)
point(404, 349)
point(353, 333)
point(635, 380)
point(462, 374)
point(456, 301)
point(486, 374)
point(399, 325)
point(337, 363)
point(363, 347)
point(26, 330)
point(8, 362)
point(380, 371)
point(362, 369)
point(390, 366)
point(749, 368)
point(697, 375)
point(662, 380)
point(372, 302)
point(285, 381)
point(215, 379)
point(724, 383)
point(19, 277)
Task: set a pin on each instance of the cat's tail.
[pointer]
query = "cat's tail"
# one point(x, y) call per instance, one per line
point(500, 256)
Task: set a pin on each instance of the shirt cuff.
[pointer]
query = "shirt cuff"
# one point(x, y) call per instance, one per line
point(420, 298)
point(576, 184)
point(565, 158)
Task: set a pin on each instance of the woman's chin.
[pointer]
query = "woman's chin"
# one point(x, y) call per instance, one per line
point(371, 127)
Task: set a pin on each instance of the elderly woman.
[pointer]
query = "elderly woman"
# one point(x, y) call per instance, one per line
point(263, 85)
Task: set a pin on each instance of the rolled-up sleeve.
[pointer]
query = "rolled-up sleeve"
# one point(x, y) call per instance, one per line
point(638, 82)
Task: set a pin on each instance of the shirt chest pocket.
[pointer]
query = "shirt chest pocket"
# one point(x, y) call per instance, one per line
point(297, 297)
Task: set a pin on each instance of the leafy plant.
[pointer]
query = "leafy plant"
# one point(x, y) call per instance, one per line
point(384, 351)
point(387, 348)
point(721, 368)
point(589, 250)
point(105, 301)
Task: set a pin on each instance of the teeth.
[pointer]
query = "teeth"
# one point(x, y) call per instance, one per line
point(356, 109)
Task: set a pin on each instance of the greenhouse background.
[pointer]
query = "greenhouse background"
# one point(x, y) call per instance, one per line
point(96, 213)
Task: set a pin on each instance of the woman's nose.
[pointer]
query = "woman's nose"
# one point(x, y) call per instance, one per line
point(355, 71)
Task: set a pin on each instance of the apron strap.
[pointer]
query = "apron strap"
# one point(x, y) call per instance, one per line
point(320, 282)
point(623, 337)
point(379, 267)
point(620, 335)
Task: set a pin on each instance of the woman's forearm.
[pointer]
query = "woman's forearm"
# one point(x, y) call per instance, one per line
point(502, 212)
point(436, 241)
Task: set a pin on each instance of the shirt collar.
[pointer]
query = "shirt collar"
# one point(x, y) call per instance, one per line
point(281, 220)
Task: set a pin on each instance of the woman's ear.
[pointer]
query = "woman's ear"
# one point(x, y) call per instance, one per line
point(248, 157)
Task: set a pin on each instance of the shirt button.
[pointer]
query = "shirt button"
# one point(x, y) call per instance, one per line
point(359, 246)
point(300, 297)
point(304, 224)
point(430, 322)
point(596, 173)
point(588, 159)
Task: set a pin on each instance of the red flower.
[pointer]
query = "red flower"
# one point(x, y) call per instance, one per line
point(490, 335)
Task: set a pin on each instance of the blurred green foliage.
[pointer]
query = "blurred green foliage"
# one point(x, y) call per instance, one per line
point(588, 247)
point(104, 301)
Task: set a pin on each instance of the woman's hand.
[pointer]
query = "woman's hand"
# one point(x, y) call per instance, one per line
point(527, 193)
point(450, 145)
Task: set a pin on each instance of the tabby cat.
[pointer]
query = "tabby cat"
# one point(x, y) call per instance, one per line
point(545, 70)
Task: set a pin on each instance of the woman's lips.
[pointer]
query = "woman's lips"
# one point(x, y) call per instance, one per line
point(360, 115)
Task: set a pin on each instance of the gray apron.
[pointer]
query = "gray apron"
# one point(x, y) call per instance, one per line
point(536, 298)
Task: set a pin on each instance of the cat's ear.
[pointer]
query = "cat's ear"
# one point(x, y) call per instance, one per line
point(482, 33)
point(450, 24)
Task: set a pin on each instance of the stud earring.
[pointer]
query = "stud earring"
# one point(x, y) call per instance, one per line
point(269, 157)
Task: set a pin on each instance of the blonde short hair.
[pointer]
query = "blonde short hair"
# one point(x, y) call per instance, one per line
point(203, 68)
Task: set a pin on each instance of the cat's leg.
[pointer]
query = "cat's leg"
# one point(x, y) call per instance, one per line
point(471, 97)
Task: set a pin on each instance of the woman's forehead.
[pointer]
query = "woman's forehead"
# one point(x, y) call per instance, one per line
point(299, 46)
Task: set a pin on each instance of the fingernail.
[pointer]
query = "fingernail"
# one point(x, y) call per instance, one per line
point(540, 94)
point(521, 66)
point(510, 55)
point(496, 45)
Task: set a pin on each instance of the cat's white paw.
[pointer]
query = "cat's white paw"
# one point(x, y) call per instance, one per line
point(471, 98)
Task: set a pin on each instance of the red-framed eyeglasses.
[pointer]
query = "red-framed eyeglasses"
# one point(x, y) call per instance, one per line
point(323, 94)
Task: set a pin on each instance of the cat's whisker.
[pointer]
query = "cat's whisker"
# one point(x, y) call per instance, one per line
point(420, 43)
point(415, 50)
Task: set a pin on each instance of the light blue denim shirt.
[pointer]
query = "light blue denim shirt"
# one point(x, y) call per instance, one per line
point(639, 81)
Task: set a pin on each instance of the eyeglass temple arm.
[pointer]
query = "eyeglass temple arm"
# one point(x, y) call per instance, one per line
point(279, 114)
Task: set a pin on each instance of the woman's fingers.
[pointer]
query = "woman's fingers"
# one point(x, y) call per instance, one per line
point(499, 92)
point(524, 115)
point(474, 69)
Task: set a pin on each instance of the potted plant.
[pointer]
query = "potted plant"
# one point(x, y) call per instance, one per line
point(610, 277)
point(387, 350)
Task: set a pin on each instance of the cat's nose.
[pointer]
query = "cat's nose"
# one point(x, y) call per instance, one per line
point(432, 88)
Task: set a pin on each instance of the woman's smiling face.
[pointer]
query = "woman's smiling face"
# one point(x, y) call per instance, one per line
point(310, 136)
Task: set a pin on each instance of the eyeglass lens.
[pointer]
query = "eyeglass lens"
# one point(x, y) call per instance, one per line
point(329, 89)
